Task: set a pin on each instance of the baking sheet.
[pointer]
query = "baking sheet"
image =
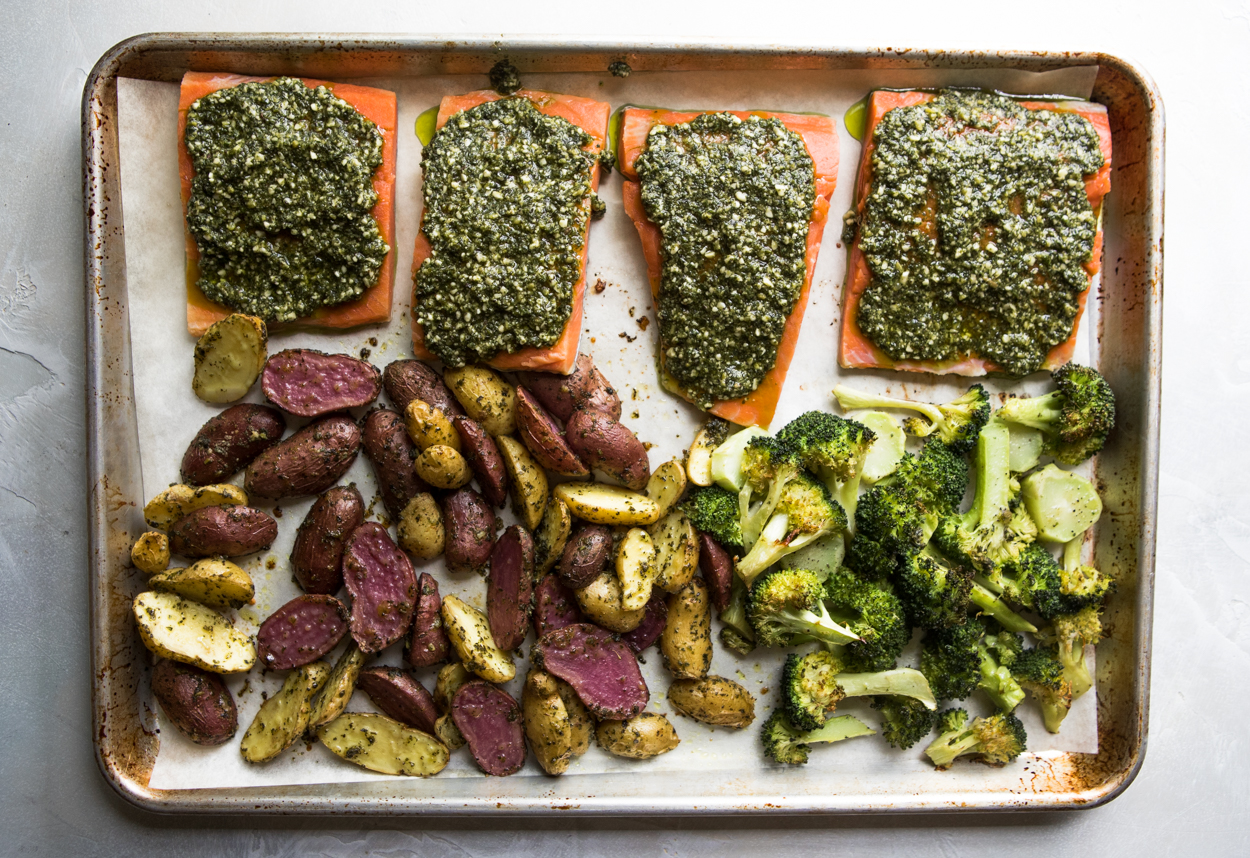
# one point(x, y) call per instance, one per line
point(168, 413)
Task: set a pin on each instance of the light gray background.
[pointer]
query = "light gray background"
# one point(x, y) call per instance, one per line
point(1192, 795)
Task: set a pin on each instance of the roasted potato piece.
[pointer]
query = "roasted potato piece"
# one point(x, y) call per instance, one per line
point(545, 437)
point(600, 600)
point(653, 622)
point(449, 679)
point(442, 467)
point(486, 397)
point(383, 585)
point(482, 454)
point(713, 700)
point(610, 446)
point(421, 528)
point(398, 694)
point(212, 581)
point(309, 383)
point(317, 555)
point(604, 504)
point(173, 627)
point(676, 551)
point(196, 701)
point(427, 426)
point(150, 553)
point(469, 632)
point(510, 587)
point(335, 694)
point(490, 721)
point(179, 500)
point(584, 387)
point(382, 744)
point(308, 462)
point(447, 732)
point(555, 606)
point(427, 642)
point(635, 567)
point(227, 531)
point(718, 571)
point(406, 380)
point(547, 724)
point(552, 535)
point(527, 479)
point(585, 555)
point(301, 631)
point(602, 670)
point(393, 456)
point(686, 642)
point(469, 528)
point(228, 441)
point(666, 485)
point(699, 459)
point(581, 722)
point(283, 718)
point(229, 358)
point(646, 735)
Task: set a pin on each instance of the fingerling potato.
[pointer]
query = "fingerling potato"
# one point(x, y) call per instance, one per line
point(336, 692)
point(442, 467)
point(229, 357)
point(197, 702)
point(226, 531)
point(283, 718)
point(189, 632)
point(713, 700)
point(527, 479)
point(552, 535)
point(427, 426)
point(666, 485)
point(485, 396)
point(470, 635)
point(610, 446)
point(604, 504)
point(699, 459)
point(547, 724)
point(382, 744)
point(646, 735)
point(228, 441)
point(420, 529)
point(635, 567)
point(213, 581)
point(600, 600)
point(180, 500)
point(686, 642)
point(406, 380)
point(676, 551)
point(150, 553)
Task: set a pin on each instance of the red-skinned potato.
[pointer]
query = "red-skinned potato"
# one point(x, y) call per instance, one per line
point(427, 642)
point(309, 383)
point(585, 555)
point(652, 625)
point(307, 463)
point(490, 721)
point(603, 671)
point(398, 694)
point(509, 587)
point(482, 454)
point(406, 380)
point(392, 454)
point(555, 606)
point(610, 446)
point(544, 437)
point(383, 586)
point(300, 632)
point(718, 570)
point(585, 387)
point(316, 556)
point(226, 531)
point(228, 441)
point(470, 526)
point(196, 701)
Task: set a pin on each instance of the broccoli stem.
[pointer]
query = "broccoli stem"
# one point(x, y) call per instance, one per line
point(820, 628)
point(837, 729)
point(944, 750)
point(999, 685)
point(1039, 412)
point(900, 682)
point(993, 476)
point(1072, 552)
point(995, 607)
point(854, 400)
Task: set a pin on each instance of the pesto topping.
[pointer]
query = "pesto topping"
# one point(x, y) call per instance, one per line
point(504, 77)
point(282, 201)
point(977, 229)
point(732, 199)
point(507, 202)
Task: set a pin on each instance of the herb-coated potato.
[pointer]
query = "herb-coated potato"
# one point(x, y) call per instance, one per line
point(585, 555)
point(581, 722)
point(317, 555)
point(655, 618)
point(646, 735)
point(301, 631)
point(584, 387)
point(469, 531)
point(448, 733)
point(150, 553)
point(699, 459)
point(547, 724)
point(229, 358)
point(545, 438)
point(228, 441)
point(528, 481)
point(449, 679)
point(306, 463)
point(421, 528)
point(196, 701)
point(610, 446)
point(482, 454)
point(635, 567)
point(600, 600)
point(552, 535)
point(490, 721)
point(603, 504)
point(686, 642)
point(309, 383)
point(676, 551)
point(486, 397)
point(427, 642)
point(713, 700)
point(180, 500)
point(283, 718)
point(185, 631)
point(382, 744)
point(213, 581)
point(510, 587)
point(337, 690)
point(718, 570)
point(392, 454)
point(428, 426)
point(442, 467)
point(666, 485)
point(406, 380)
point(469, 632)
point(398, 694)
point(226, 531)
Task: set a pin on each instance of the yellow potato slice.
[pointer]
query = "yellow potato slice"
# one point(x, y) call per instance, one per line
point(212, 581)
point(601, 601)
point(552, 535)
point(646, 735)
point(604, 504)
point(699, 459)
point(229, 358)
point(185, 631)
point(381, 744)
point(150, 553)
point(547, 724)
point(283, 718)
point(635, 567)
point(335, 694)
point(527, 479)
point(666, 485)
point(486, 397)
point(469, 633)
point(676, 551)
point(178, 500)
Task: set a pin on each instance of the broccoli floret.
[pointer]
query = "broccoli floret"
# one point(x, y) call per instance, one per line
point(832, 448)
point(736, 634)
point(1040, 673)
point(904, 721)
point(950, 660)
point(784, 743)
point(1080, 586)
point(937, 475)
point(1075, 419)
point(872, 612)
point(934, 594)
point(814, 684)
point(785, 604)
point(957, 422)
point(768, 466)
point(999, 653)
point(1032, 581)
point(804, 514)
point(996, 740)
point(714, 511)
point(992, 606)
point(1070, 633)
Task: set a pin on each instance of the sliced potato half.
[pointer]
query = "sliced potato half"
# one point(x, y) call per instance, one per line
point(469, 632)
point(603, 504)
point(666, 485)
point(552, 535)
point(212, 581)
point(335, 694)
point(381, 744)
point(283, 718)
point(635, 567)
point(178, 500)
point(699, 459)
point(527, 480)
point(229, 358)
point(676, 551)
point(186, 631)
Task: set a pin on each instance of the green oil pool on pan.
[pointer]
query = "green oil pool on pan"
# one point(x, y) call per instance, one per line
point(427, 123)
point(855, 119)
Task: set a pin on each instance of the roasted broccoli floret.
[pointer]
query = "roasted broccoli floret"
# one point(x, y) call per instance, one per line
point(996, 740)
point(1040, 673)
point(785, 743)
point(1080, 586)
point(1032, 581)
point(935, 594)
point(833, 449)
point(768, 466)
point(814, 684)
point(999, 653)
point(1071, 633)
point(804, 514)
point(787, 604)
point(937, 475)
point(957, 423)
point(950, 660)
point(1076, 418)
point(904, 721)
point(872, 612)
point(714, 511)
point(736, 634)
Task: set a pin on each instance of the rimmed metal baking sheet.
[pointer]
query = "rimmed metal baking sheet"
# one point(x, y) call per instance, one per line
point(1130, 354)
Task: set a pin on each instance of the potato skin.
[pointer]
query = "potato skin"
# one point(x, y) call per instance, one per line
point(229, 441)
point(317, 554)
point(442, 467)
point(646, 735)
point(609, 445)
point(652, 626)
point(555, 606)
point(544, 437)
point(406, 380)
point(300, 632)
point(686, 642)
point(309, 383)
point(150, 553)
point(197, 702)
point(307, 463)
point(469, 524)
point(383, 586)
point(485, 396)
point(228, 531)
point(482, 454)
point(585, 555)
point(398, 694)
point(718, 570)
point(713, 700)
point(490, 721)
point(510, 587)
point(392, 454)
point(547, 724)
point(585, 387)
point(427, 642)
point(600, 601)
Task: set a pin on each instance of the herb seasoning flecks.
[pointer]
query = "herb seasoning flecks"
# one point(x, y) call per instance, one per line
point(977, 229)
point(507, 201)
point(733, 200)
point(281, 205)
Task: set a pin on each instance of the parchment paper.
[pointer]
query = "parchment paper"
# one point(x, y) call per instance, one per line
point(623, 346)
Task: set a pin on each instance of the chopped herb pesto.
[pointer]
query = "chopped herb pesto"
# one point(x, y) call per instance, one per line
point(281, 205)
point(507, 202)
point(977, 229)
point(504, 77)
point(733, 201)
